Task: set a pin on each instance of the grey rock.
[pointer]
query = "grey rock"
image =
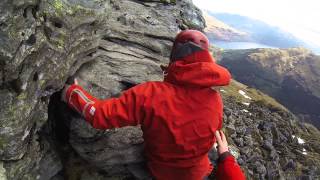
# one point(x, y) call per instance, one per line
point(31, 163)
point(306, 177)
point(248, 121)
point(290, 165)
point(241, 130)
point(240, 161)
point(264, 141)
point(230, 129)
point(239, 142)
point(50, 164)
point(231, 119)
point(246, 151)
point(261, 169)
point(274, 155)
point(44, 42)
point(57, 177)
point(268, 145)
point(140, 171)
point(36, 46)
point(248, 140)
point(227, 111)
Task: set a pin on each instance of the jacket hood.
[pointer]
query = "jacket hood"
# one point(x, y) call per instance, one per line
point(197, 70)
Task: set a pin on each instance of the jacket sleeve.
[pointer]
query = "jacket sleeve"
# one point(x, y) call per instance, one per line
point(228, 168)
point(223, 76)
point(106, 114)
point(220, 112)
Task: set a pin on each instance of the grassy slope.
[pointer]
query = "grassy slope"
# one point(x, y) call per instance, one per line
point(256, 95)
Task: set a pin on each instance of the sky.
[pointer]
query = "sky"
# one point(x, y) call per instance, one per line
point(299, 17)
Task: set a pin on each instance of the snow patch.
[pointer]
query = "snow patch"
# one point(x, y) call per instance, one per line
point(300, 141)
point(24, 86)
point(26, 133)
point(244, 94)
point(3, 175)
point(244, 110)
point(40, 76)
point(245, 103)
point(304, 151)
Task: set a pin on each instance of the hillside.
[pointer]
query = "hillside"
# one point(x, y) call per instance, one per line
point(268, 140)
point(260, 32)
point(289, 75)
point(217, 30)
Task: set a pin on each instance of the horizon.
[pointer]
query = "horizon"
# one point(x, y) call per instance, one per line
point(303, 25)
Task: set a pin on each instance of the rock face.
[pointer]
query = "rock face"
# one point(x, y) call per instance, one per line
point(267, 140)
point(289, 75)
point(110, 45)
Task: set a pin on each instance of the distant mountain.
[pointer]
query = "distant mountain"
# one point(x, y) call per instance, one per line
point(291, 76)
point(259, 32)
point(218, 30)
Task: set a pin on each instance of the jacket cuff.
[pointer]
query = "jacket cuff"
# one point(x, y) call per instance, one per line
point(67, 93)
point(81, 101)
point(223, 156)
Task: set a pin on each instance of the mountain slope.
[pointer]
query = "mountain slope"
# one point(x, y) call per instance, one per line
point(217, 30)
point(259, 31)
point(268, 140)
point(290, 75)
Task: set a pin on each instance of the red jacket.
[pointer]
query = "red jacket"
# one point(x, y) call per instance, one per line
point(178, 116)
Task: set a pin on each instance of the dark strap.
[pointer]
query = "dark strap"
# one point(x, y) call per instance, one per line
point(183, 50)
point(223, 156)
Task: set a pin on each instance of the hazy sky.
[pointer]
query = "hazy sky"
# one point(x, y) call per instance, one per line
point(300, 17)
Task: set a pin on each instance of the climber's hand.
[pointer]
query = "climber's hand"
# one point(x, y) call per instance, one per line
point(222, 142)
point(71, 80)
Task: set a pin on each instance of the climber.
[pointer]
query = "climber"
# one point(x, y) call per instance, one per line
point(179, 116)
